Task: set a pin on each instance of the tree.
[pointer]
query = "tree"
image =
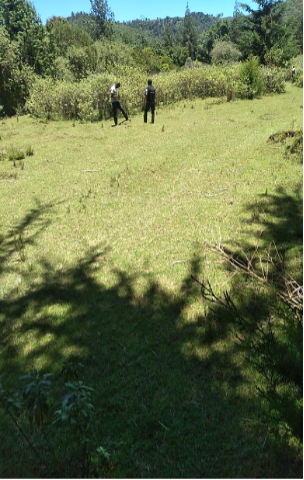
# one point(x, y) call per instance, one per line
point(20, 19)
point(217, 32)
point(293, 19)
point(261, 30)
point(65, 34)
point(15, 79)
point(103, 17)
point(8, 64)
point(168, 37)
point(189, 34)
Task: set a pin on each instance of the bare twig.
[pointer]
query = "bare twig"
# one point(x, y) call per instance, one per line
point(288, 288)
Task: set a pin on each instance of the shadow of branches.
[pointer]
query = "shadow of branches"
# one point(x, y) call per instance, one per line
point(264, 306)
point(280, 217)
point(167, 394)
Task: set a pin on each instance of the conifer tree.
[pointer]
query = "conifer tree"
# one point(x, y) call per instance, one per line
point(103, 17)
point(189, 34)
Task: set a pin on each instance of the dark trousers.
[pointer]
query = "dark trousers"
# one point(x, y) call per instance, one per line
point(147, 108)
point(116, 105)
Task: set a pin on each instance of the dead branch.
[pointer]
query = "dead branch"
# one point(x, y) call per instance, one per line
point(288, 288)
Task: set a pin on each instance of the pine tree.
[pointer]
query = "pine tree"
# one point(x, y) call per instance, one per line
point(189, 34)
point(103, 17)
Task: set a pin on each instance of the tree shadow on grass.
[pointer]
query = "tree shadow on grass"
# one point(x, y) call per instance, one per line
point(279, 236)
point(171, 396)
point(16, 239)
point(260, 295)
point(280, 217)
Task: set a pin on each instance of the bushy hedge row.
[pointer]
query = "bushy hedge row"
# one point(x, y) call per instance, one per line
point(89, 99)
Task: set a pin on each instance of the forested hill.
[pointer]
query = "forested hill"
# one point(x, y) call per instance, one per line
point(157, 27)
point(154, 29)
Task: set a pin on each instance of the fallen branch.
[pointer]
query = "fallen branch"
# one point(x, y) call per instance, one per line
point(287, 287)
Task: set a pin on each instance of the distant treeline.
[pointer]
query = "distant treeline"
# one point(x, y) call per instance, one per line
point(84, 44)
point(153, 30)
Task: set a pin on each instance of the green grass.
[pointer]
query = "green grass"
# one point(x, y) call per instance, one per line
point(100, 231)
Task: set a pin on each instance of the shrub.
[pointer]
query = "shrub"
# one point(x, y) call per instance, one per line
point(274, 80)
point(60, 69)
point(166, 64)
point(224, 52)
point(60, 419)
point(89, 99)
point(274, 57)
point(82, 61)
point(251, 78)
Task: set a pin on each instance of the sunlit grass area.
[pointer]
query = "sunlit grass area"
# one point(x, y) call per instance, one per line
point(101, 229)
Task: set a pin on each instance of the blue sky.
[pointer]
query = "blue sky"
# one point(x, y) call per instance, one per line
point(125, 10)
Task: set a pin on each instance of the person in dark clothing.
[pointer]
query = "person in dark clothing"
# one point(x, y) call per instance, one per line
point(293, 73)
point(150, 101)
point(115, 102)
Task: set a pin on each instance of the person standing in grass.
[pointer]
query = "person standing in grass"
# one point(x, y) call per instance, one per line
point(150, 101)
point(115, 102)
point(293, 73)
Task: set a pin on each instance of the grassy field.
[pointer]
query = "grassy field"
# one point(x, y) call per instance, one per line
point(100, 231)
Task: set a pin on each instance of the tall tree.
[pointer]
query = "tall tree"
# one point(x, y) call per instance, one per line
point(260, 30)
point(189, 34)
point(103, 17)
point(293, 19)
point(15, 78)
point(168, 36)
point(23, 25)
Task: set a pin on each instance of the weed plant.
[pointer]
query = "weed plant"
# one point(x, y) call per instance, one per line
point(14, 153)
point(29, 151)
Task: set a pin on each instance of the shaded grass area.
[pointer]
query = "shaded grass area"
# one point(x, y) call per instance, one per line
point(155, 402)
point(100, 234)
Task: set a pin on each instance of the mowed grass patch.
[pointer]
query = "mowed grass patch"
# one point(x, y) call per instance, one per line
point(100, 232)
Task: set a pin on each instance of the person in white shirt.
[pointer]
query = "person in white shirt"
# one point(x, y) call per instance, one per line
point(293, 72)
point(115, 102)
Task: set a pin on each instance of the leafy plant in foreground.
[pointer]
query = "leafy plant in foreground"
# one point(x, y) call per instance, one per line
point(65, 446)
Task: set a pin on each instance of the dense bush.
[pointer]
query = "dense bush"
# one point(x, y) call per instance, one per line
point(224, 52)
point(251, 77)
point(274, 80)
point(89, 99)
